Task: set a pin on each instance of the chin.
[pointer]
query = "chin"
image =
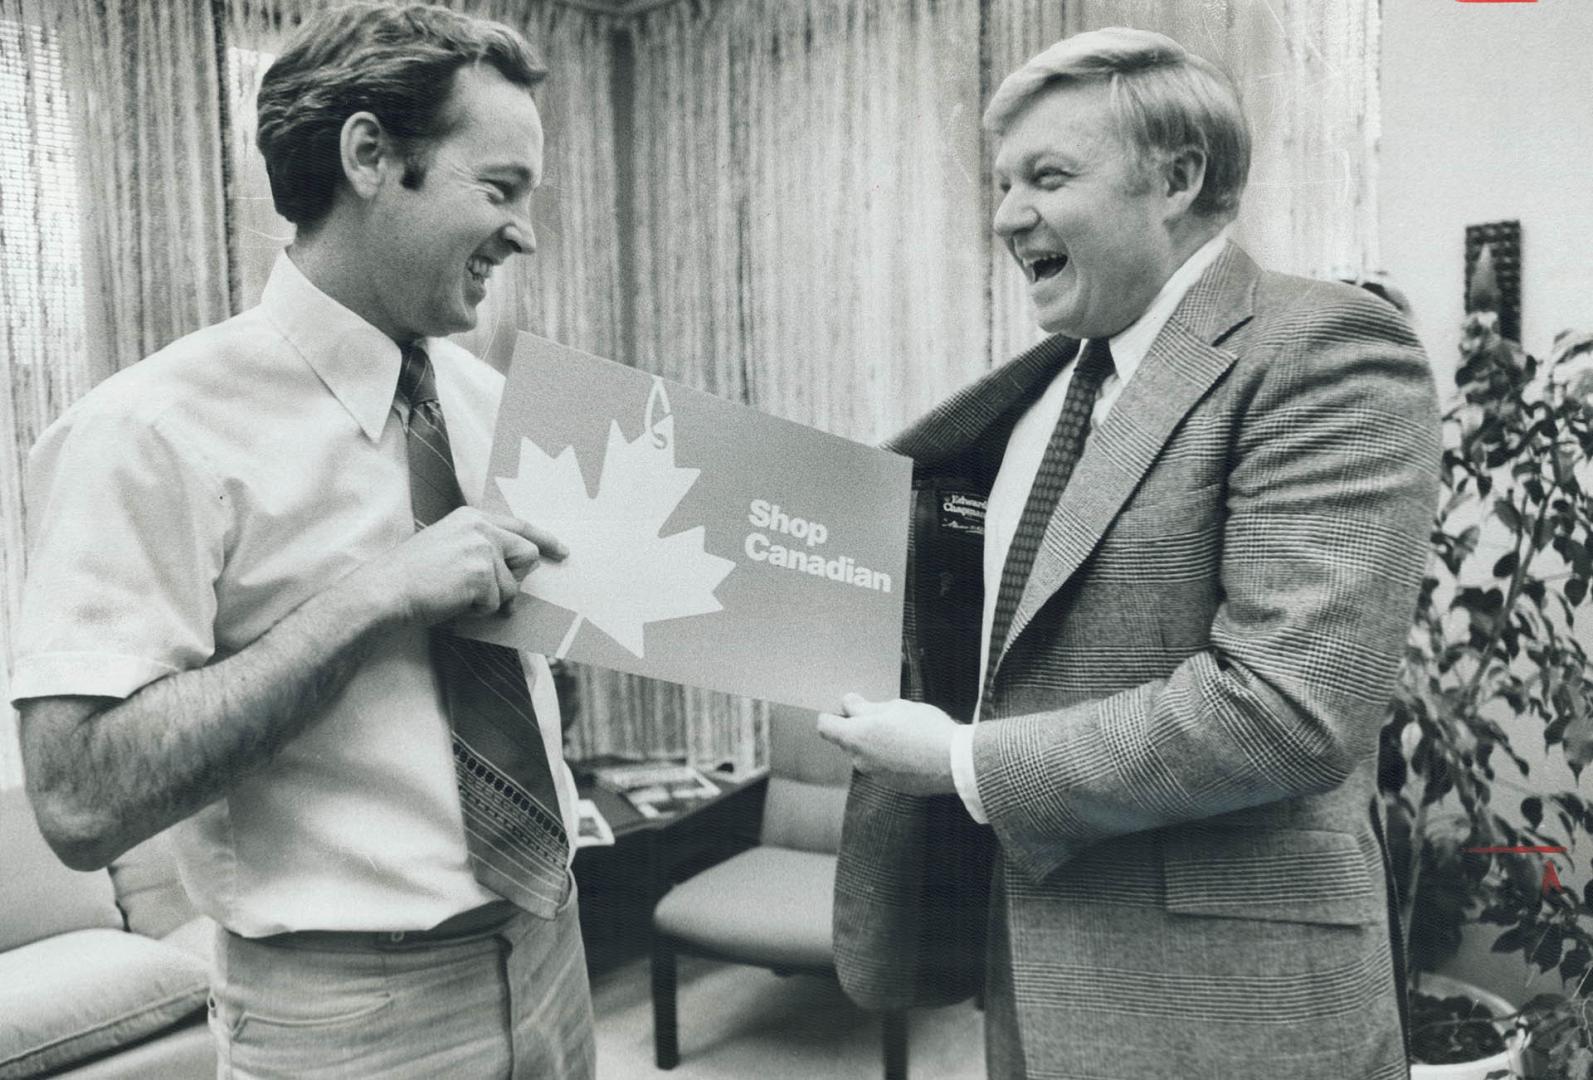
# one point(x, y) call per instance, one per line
point(1064, 323)
point(456, 323)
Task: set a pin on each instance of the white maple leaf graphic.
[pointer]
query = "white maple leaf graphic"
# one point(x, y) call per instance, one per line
point(621, 575)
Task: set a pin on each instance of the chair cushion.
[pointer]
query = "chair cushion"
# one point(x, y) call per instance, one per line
point(802, 815)
point(72, 996)
point(39, 896)
point(767, 906)
point(186, 1052)
point(797, 750)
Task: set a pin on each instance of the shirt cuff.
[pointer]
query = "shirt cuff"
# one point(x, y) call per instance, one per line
point(962, 772)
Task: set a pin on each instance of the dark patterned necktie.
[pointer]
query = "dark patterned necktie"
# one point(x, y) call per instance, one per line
point(513, 828)
point(1061, 455)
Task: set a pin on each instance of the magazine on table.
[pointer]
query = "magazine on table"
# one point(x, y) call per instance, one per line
point(657, 789)
point(591, 827)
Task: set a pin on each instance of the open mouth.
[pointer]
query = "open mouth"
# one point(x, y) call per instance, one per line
point(1045, 266)
point(479, 269)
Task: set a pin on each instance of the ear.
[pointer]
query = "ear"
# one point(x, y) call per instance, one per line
point(366, 153)
point(1184, 177)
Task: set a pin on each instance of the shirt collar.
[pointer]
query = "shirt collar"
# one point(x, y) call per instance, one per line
point(357, 362)
point(1130, 344)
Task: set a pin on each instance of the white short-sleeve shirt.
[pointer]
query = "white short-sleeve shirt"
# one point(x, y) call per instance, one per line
point(185, 506)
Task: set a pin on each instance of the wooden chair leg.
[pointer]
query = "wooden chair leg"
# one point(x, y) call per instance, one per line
point(895, 1024)
point(666, 1045)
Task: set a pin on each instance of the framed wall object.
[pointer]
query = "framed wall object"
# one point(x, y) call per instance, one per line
point(1493, 273)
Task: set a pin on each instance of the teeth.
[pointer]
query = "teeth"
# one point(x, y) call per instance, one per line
point(479, 267)
point(1032, 264)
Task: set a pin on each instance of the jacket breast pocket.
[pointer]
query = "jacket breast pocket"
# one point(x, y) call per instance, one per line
point(1285, 875)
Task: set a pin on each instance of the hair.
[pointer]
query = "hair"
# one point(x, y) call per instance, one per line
point(1165, 99)
point(397, 63)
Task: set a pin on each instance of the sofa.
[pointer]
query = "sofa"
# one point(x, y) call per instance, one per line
point(102, 974)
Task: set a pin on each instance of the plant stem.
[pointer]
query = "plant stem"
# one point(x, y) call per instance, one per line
point(1512, 593)
point(1418, 833)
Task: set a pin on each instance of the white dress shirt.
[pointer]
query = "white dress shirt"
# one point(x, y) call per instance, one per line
point(1021, 462)
point(184, 507)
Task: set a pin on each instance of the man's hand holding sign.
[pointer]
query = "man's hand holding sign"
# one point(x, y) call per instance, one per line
point(905, 745)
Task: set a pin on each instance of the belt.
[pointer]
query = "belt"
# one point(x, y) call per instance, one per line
point(467, 924)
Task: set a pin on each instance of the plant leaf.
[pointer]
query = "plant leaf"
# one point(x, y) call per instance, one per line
point(1511, 940)
point(1579, 738)
point(1547, 953)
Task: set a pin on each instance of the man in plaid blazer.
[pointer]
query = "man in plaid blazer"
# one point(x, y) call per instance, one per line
point(1177, 688)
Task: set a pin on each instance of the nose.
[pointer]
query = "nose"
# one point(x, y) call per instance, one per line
point(520, 235)
point(1014, 214)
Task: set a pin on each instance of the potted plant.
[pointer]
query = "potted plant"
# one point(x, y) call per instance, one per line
point(1493, 649)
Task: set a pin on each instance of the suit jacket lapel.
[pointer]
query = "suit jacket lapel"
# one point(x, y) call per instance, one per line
point(967, 417)
point(1181, 365)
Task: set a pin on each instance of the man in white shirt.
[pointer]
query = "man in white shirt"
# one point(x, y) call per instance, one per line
point(1206, 505)
point(245, 548)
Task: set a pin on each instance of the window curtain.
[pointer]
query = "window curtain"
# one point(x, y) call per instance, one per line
point(43, 359)
point(156, 257)
point(114, 241)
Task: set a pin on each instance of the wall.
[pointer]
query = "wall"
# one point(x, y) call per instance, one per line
point(1487, 114)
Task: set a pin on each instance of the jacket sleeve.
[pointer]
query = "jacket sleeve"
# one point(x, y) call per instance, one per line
point(1332, 482)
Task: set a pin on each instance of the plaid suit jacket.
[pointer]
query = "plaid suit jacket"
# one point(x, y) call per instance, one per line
point(1178, 752)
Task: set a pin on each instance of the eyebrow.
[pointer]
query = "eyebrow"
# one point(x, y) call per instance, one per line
point(521, 174)
point(1062, 157)
point(1027, 164)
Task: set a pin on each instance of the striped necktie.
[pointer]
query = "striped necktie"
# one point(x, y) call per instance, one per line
point(513, 828)
point(1061, 455)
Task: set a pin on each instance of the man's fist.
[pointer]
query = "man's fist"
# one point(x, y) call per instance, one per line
point(470, 562)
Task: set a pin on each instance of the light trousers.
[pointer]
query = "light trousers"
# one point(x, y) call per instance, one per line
point(508, 1002)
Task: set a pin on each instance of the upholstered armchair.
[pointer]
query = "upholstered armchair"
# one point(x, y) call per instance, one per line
point(769, 906)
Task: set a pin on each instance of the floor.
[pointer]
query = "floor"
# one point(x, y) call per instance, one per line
point(743, 1023)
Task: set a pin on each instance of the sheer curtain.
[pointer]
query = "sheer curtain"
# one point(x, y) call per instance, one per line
point(114, 237)
point(43, 359)
point(156, 257)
